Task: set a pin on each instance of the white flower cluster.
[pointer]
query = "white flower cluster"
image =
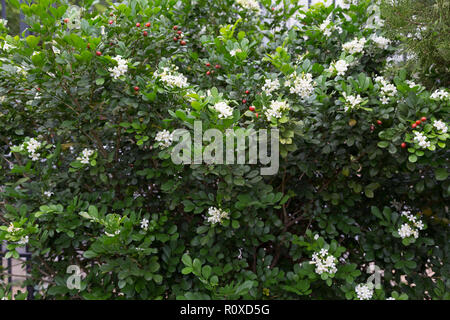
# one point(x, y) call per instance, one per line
point(249, 4)
point(276, 109)
point(172, 78)
point(302, 85)
point(324, 261)
point(439, 94)
point(144, 224)
point(32, 146)
point(270, 86)
point(224, 110)
point(351, 101)
point(411, 84)
point(216, 215)
point(340, 66)
point(387, 89)
point(354, 46)
point(412, 227)
point(85, 155)
point(326, 28)
point(421, 140)
point(440, 126)
point(6, 46)
point(23, 240)
point(120, 69)
point(11, 229)
point(3, 22)
point(381, 42)
point(364, 291)
point(164, 138)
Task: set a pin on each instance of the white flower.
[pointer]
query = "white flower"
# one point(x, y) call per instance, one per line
point(270, 86)
point(439, 94)
point(351, 101)
point(48, 194)
point(302, 85)
point(144, 224)
point(440, 126)
point(172, 78)
point(387, 89)
point(234, 51)
point(224, 110)
point(326, 28)
point(85, 155)
point(56, 50)
point(276, 109)
point(12, 229)
point(23, 241)
point(324, 262)
point(364, 291)
point(102, 30)
point(316, 237)
point(411, 84)
point(421, 140)
point(340, 66)
point(381, 42)
point(3, 22)
point(390, 298)
point(216, 215)
point(164, 138)
point(120, 69)
point(354, 46)
point(6, 46)
point(249, 4)
point(112, 234)
point(405, 231)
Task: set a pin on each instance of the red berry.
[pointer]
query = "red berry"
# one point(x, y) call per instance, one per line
point(175, 39)
point(175, 27)
point(414, 125)
point(251, 108)
point(208, 72)
point(98, 53)
point(88, 45)
point(66, 20)
point(247, 92)
point(379, 122)
point(145, 33)
point(273, 9)
point(147, 24)
point(372, 127)
point(183, 43)
point(403, 145)
point(136, 88)
point(244, 101)
point(256, 115)
point(138, 24)
point(111, 14)
point(208, 64)
point(110, 22)
point(217, 66)
point(423, 119)
point(179, 32)
point(418, 122)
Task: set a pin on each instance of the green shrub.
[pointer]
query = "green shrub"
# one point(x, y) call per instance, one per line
point(87, 179)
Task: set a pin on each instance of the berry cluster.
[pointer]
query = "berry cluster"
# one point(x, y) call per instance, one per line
point(179, 35)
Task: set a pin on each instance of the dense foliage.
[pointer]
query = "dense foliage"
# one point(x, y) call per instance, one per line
point(424, 28)
point(88, 105)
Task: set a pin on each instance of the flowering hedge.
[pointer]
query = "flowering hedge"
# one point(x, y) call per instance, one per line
point(89, 104)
